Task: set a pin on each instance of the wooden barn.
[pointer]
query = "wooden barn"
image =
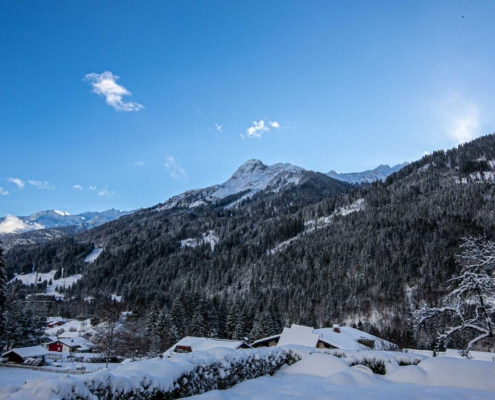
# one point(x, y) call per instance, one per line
point(20, 354)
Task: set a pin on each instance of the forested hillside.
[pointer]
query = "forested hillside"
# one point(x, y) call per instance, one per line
point(316, 252)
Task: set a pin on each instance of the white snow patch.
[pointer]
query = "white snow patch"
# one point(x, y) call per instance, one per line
point(91, 257)
point(33, 277)
point(197, 203)
point(207, 237)
point(61, 212)
point(118, 299)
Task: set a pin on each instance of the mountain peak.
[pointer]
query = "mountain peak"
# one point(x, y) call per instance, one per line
point(250, 167)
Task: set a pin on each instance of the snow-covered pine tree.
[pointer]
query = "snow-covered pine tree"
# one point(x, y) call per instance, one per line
point(153, 329)
point(198, 325)
point(232, 321)
point(24, 324)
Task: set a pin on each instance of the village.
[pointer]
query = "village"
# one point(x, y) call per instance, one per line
point(69, 348)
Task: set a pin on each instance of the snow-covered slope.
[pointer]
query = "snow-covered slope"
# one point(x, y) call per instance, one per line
point(52, 284)
point(251, 177)
point(57, 219)
point(380, 173)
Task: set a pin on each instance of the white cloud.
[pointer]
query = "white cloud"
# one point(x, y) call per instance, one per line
point(92, 187)
point(4, 192)
point(259, 128)
point(139, 164)
point(105, 85)
point(174, 169)
point(105, 192)
point(77, 187)
point(42, 184)
point(12, 224)
point(19, 182)
point(426, 153)
point(218, 127)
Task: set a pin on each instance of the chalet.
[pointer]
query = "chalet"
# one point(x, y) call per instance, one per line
point(70, 345)
point(337, 337)
point(21, 354)
point(53, 322)
point(191, 343)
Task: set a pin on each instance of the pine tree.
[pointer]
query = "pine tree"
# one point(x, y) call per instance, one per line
point(25, 324)
point(153, 332)
point(177, 316)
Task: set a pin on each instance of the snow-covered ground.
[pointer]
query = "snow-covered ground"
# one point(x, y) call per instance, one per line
point(475, 355)
point(318, 375)
point(33, 277)
point(322, 376)
point(91, 257)
point(17, 376)
point(73, 326)
point(208, 237)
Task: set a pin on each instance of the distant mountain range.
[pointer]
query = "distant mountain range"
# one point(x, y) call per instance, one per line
point(380, 173)
point(53, 219)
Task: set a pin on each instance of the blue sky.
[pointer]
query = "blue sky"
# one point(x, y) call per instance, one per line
point(338, 85)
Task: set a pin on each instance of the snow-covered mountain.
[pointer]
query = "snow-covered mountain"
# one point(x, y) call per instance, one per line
point(250, 177)
point(380, 173)
point(254, 176)
point(50, 219)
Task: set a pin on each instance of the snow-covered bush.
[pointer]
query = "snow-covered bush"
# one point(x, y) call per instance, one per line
point(36, 362)
point(377, 361)
point(180, 376)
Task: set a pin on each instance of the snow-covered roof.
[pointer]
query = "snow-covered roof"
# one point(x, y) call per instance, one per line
point(205, 344)
point(298, 334)
point(76, 342)
point(348, 338)
point(266, 339)
point(67, 335)
point(54, 319)
point(26, 352)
